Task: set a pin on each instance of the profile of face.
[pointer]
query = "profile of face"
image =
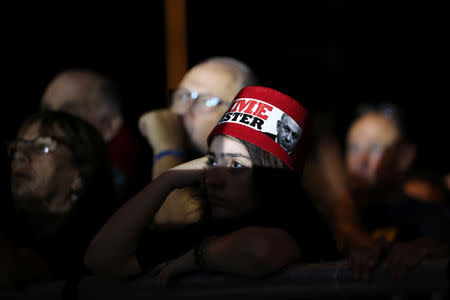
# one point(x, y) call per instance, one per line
point(371, 152)
point(229, 178)
point(210, 79)
point(288, 133)
point(43, 174)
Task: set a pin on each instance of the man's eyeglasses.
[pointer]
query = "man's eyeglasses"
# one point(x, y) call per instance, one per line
point(40, 145)
point(183, 100)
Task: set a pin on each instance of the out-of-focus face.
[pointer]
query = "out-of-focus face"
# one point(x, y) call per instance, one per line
point(212, 79)
point(74, 95)
point(370, 153)
point(41, 176)
point(229, 178)
point(288, 133)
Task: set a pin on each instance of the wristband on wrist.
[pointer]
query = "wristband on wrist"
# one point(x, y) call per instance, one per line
point(199, 252)
point(170, 152)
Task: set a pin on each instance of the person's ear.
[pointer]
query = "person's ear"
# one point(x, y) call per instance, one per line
point(406, 156)
point(111, 126)
point(75, 187)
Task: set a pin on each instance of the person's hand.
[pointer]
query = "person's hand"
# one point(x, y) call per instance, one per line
point(195, 164)
point(364, 259)
point(162, 129)
point(402, 256)
point(189, 173)
point(170, 269)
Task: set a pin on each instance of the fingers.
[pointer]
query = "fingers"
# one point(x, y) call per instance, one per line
point(164, 276)
point(363, 260)
point(142, 125)
point(401, 257)
point(394, 263)
point(359, 264)
point(163, 270)
point(156, 270)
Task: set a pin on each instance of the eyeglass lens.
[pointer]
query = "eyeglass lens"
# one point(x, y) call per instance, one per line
point(201, 102)
point(39, 145)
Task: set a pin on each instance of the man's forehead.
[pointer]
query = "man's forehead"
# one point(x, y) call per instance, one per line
point(212, 78)
point(374, 129)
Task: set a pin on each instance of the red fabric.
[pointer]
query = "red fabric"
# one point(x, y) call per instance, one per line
point(285, 103)
point(282, 101)
point(123, 151)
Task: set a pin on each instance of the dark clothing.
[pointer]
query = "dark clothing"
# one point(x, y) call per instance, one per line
point(132, 160)
point(122, 150)
point(412, 219)
point(64, 246)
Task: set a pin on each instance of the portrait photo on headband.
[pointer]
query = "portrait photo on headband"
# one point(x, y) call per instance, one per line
point(287, 133)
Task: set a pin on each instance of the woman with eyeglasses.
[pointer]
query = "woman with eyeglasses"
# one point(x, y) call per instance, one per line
point(61, 190)
point(257, 221)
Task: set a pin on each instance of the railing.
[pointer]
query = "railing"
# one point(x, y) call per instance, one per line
point(429, 280)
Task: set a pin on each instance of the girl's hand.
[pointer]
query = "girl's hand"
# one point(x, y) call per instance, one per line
point(189, 173)
point(175, 267)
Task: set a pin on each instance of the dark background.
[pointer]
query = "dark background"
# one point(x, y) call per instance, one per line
point(330, 55)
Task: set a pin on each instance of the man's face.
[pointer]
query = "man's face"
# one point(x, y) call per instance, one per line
point(213, 79)
point(288, 133)
point(371, 150)
point(41, 182)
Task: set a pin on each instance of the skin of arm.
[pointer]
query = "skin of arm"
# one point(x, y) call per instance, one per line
point(164, 131)
point(112, 251)
point(250, 252)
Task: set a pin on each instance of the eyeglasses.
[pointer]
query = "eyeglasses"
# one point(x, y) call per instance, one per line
point(182, 100)
point(40, 145)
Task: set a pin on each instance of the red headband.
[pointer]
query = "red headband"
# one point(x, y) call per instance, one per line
point(269, 119)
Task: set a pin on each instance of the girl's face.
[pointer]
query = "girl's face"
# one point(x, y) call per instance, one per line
point(229, 179)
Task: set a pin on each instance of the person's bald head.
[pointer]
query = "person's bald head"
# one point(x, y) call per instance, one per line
point(86, 94)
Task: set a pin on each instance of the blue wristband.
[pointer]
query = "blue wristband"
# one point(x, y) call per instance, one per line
point(161, 154)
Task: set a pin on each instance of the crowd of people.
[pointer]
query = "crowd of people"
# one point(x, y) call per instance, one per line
point(242, 179)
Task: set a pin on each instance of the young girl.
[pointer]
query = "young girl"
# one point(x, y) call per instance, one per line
point(256, 220)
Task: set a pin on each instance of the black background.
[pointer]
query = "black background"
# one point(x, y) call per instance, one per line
point(330, 55)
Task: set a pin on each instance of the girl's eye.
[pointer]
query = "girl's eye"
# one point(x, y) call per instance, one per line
point(235, 164)
point(211, 162)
